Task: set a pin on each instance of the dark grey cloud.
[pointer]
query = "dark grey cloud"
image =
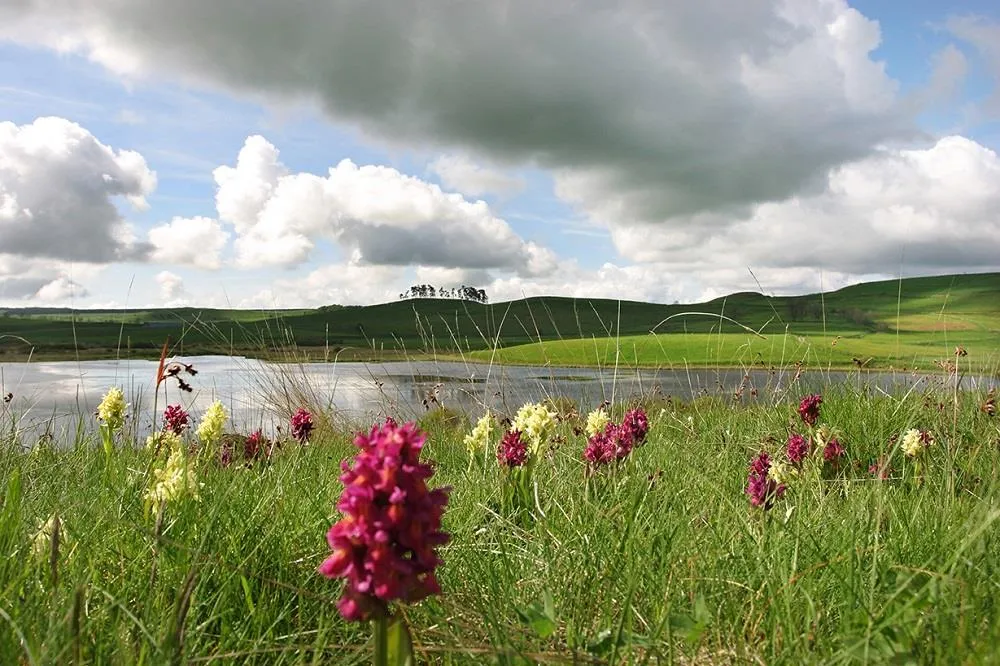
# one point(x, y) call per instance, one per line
point(671, 107)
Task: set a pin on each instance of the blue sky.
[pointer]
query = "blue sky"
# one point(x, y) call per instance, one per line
point(614, 158)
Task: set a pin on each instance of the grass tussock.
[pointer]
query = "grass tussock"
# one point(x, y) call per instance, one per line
point(660, 559)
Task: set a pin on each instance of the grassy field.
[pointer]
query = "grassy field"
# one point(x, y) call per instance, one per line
point(916, 321)
point(661, 560)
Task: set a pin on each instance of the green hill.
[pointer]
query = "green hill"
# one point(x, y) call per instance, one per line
point(911, 314)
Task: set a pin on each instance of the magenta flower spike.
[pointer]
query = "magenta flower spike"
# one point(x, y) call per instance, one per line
point(761, 489)
point(637, 424)
point(175, 419)
point(302, 425)
point(797, 449)
point(513, 452)
point(385, 545)
point(809, 408)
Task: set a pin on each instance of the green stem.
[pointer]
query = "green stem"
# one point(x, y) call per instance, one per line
point(381, 629)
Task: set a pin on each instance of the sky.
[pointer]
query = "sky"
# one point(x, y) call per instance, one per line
point(261, 154)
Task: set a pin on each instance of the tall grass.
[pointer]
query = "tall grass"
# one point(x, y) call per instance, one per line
point(666, 563)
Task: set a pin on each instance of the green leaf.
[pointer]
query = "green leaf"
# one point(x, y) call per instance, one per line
point(400, 643)
point(246, 593)
point(541, 616)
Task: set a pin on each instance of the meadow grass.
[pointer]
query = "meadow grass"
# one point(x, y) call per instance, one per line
point(661, 560)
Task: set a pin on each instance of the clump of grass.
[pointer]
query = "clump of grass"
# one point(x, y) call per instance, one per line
point(668, 562)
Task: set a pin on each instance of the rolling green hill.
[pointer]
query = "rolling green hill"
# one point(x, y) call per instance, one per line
point(896, 322)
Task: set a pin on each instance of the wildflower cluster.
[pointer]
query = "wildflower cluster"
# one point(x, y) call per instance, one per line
point(175, 419)
point(513, 452)
point(209, 431)
point(111, 411)
point(535, 423)
point(385, 544)
point(915, 442)
point(175, 480)
point(596, 421)
point(301, 425)
point(616, 441)
point(479, 439)
point(815, 454)
point(762, 488)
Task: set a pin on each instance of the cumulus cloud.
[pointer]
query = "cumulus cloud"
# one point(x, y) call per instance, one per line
point(171, 287)
point(934, 207)
point(378, 215)
point(348, 283)
point(645, 109)
point(58, 186)
point(60, 289)
point(460, 173)
point(195, 241)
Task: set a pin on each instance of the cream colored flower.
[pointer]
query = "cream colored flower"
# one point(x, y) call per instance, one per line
point(112, 409)
point(173, 481)
point(535, 423)
point(914, 442)
point(210, 429)
point(41, 542)
point(596, 420)
point(164, 440)
point(782, 472)
point(479, 438)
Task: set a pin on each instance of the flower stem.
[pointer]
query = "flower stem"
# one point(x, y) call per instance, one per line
point(381, 628)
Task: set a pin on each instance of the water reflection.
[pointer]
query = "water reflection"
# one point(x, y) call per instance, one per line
point(56, 395)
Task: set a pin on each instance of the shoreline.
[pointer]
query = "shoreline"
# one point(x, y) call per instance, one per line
point(359, 355)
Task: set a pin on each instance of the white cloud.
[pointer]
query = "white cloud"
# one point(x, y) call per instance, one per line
point(936, 208)
point(459, 173)
point(60, 289)
point(345, 284)
point(58, 186)
point(196, 241)
point(647, 109)
point(172, 290)
point(376, 214)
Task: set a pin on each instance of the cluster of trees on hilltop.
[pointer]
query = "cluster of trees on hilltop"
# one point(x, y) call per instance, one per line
point(429, 291)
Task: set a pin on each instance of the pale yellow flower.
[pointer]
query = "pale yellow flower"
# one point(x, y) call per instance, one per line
point(41, 542)
point(782, 472)
point(164, 440)
point(112, 408)
point(596, 421)
point(913, 443)
point(173, 481)
point(210, 429)
point(479, 438)
point(535, 422)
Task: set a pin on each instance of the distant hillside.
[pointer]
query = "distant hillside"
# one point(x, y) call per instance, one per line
point(923, 304)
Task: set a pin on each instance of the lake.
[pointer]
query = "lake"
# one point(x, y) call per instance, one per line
point(54, 395)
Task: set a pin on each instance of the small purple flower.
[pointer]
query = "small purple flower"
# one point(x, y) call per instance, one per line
point(600, 450)
point(833, 451)
point(175, 419)
point(302, 425)
point(797, 449)
point(809, 408)
point(619, 440)
point(513, 452)
point(761, 489)
point(252, 447)
point(385, 545)
point(226, 455)
point(637, 424)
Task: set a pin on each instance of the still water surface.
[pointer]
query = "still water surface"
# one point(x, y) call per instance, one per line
point(54, 395)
